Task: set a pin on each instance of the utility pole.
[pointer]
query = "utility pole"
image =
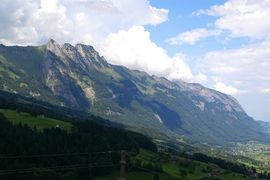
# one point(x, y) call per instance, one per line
point(90, 166)
point(122, 166)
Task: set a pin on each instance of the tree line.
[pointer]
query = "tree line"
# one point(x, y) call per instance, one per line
point(90, 149)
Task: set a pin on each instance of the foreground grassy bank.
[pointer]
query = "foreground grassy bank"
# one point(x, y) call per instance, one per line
point(148, 165)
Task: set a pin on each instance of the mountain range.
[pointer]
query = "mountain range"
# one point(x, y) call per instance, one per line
point(78, 77)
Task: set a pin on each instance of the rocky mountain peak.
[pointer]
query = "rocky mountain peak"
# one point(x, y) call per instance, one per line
point(87, 48)
point(83, 54)
point(68, 46)
point(87, 51)
point(54, 47)
point(52, 43)
point(196, 90)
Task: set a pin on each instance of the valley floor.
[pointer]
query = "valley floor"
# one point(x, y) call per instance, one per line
point(164, 166)
point(142, 166)
point(253, 154)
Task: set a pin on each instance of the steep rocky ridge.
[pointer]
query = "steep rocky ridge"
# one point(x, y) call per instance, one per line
point(78, 77)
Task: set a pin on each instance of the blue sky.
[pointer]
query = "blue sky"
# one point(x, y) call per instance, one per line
point(222, 44)
point(182, 20)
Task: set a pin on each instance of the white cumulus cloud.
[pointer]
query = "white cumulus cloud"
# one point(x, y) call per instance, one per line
point(134, 49)
point(192, 36)
point(86, 21)
point(242, 18)
point(221, 87)
point(246, 67)
point(114, 27)
point(265, 90)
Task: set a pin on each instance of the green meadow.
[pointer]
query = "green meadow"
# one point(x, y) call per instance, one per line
point(38, 122)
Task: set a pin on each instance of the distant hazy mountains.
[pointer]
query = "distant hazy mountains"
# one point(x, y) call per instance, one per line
point(78, 77)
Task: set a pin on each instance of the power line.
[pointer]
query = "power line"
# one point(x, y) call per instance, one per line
point(2, 156)
point(145, 169)
point(72, 166)
point(75, 166)
point(43, 155)
point(64, 167)
point(88, 165)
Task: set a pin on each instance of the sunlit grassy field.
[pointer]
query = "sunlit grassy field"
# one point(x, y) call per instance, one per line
point(170, 170)
point(39, 122)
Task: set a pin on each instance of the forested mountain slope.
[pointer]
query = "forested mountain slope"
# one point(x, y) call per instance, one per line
point(79, 78)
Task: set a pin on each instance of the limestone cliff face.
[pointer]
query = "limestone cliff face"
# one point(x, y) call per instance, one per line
point(59, 68)
point(64, 67)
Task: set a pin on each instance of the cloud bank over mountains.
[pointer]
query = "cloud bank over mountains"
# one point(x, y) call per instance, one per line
point(117, 29)
point(237, 70)
point(87, 21)
point(134, 48)
point(114, 27)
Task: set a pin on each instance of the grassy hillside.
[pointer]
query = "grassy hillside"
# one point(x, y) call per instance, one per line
point(147, 165)
point(46, 152)
point(40, 122)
